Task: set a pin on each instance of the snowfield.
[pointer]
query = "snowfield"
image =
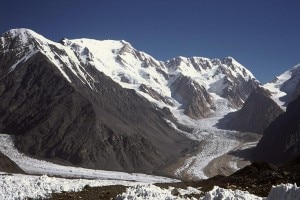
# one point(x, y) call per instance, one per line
point(141, 192)
point(17, 186)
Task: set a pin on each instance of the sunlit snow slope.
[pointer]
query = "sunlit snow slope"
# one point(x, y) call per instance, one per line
point(285, 87)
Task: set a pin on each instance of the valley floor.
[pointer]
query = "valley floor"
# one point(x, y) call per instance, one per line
point(232, 161)
point(220, 152)
point(107, 184)
point(39, 167)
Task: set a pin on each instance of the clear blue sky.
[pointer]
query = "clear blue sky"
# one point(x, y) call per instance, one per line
point(263, 35)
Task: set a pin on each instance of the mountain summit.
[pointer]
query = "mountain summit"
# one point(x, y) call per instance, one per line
point(285, 87)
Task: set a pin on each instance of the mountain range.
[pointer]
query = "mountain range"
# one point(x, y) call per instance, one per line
point(106, 105)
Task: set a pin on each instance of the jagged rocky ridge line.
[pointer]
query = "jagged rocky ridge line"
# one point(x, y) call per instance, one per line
point(201, 77)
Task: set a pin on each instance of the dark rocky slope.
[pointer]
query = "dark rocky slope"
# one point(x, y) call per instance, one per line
point(257, 113)
point(106, 127)
point(281, 140)
point(7, 165)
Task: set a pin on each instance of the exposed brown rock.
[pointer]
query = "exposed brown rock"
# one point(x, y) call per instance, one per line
point(197, 102)
point(154, 94)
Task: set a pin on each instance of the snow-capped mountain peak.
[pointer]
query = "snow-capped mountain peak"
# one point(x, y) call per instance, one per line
point(18, 38)
point(223, 77)
point(23, 33)
point(285, 87)
point(209, 68)
point(237, 68)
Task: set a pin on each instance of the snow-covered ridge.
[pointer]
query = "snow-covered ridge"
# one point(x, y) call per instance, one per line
point(131, 68)
point(24, 35)
point(28, 41)
point(210, 68)
point(284, 88)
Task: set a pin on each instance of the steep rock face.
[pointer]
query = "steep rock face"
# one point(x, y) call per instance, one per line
point(257, 113)
point(226, 77)
point(237, 87)
point(238, 91)
point(196, 101)
point(155, 95)
point(65, 109)
point(281, 140)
